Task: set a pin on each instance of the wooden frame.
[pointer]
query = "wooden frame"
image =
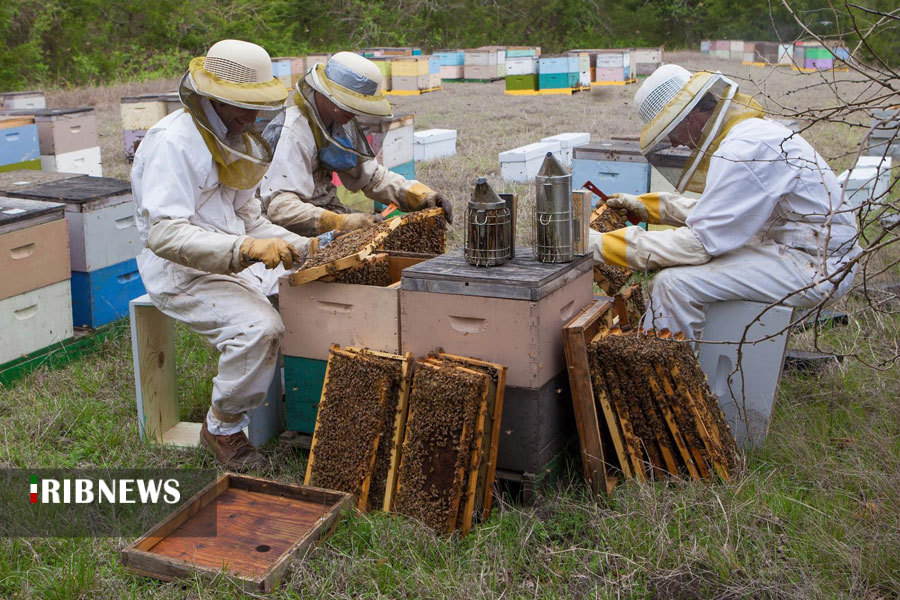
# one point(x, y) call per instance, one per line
point(400, 412)
point(168, 551)
point(317, 272)
point(363, 496)
point(494, 411)
point(577, 333)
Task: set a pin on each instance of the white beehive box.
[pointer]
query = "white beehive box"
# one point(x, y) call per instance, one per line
point(522, 164)
point(142, 112)
point(567, 142)
point(868, 180)
point(84, 162)
point(521, 65)
point(17, 100)
point(431, 144)
point(35, 320)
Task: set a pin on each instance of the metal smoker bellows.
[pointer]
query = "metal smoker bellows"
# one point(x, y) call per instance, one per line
point(554, 231)
point(488, 227)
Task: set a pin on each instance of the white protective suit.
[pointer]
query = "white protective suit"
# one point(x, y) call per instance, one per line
point(192, 227)
point(761, 231)
point(297, 188)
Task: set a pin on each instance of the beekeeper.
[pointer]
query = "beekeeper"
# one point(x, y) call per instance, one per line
point(769, 225)
point(319, 135)
point(210, 258)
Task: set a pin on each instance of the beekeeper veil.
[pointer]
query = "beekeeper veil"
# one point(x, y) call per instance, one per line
point(353, 84)
point(240, 74)
point(666, 98)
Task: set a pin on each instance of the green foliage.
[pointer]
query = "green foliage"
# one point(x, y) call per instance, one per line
point(77, 42)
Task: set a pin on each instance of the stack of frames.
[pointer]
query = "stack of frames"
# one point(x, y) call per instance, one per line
point(423, 446)
point(642, 404)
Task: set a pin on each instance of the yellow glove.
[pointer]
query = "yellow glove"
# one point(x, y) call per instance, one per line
point(270, 252)
point(419, 196)
point(640, 208)
point(330, 221)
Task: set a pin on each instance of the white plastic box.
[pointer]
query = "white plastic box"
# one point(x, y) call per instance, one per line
point(567, 142)
point(432, 144)
point(84, 162)
point(522, 164)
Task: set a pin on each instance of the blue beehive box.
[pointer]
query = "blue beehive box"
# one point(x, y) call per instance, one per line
point(434, 65)
point(100, 297)
point(554, 81)
point(18, 140)
point(613, 166)
point(553, 65)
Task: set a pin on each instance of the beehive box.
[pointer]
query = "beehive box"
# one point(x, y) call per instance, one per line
point(522, 82)
point(704, 46)
point(736, 50)
point(479, 57)
point(785, 54)
point(249, 526)
point(409, 66)
point(24, 100)
point(35, 320)
point(101, 296)
point(526, 65)
point(766, 52)
point(298, 69)
point(393, 139)
point(614, 166)
point(132, 139)
point(100, 215)
point(509, 315)
point(432, 144)
point(567, 143)
point(522, 163)
point(384, 65)
point(142, 112)
point(33, 237)
point(62, 130)
point(480, 72)
point(452, 72)
point(84, 162)
point(19, 142)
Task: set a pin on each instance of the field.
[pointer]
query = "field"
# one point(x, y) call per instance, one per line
point(815, 512)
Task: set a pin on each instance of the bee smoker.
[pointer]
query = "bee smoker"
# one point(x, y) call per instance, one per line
point(488, 227)
point(554, 233)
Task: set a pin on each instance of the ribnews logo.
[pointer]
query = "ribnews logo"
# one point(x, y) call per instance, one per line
point(116, 491)
point(93, 502)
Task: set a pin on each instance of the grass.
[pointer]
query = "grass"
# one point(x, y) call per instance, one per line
point(814, 514)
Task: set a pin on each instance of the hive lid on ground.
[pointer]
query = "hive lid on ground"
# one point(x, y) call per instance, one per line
point(429, 136)
point(78, 191)
point(521, 278)
point(15, 210)
point(613, 150)
point(569, 140)
point(529, 152)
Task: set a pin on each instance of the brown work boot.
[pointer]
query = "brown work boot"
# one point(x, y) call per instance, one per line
point(232, 451)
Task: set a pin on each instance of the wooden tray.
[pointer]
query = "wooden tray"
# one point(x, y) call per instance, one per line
point(259, 526)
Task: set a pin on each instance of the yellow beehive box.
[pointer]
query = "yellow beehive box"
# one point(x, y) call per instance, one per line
point(409, 66)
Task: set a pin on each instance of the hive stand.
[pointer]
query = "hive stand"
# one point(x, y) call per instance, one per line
point(153, 351)
point(748, 394)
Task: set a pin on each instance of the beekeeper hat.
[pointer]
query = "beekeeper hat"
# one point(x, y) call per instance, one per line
point(666, 97)
point(351, 82)
point(238, 73)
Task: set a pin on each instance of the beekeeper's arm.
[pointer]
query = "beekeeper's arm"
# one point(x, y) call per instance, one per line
point(289, 184)
point(657, 208)
point(380, 183)
point(742, 187)
point(258, 226)
point(170, 180)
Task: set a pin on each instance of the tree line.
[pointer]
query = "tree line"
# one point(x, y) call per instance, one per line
point(77, 42)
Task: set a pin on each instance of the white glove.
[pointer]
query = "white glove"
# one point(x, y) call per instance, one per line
point(630, 203)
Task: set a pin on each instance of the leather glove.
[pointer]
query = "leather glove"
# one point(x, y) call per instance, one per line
point(269, 251)
point(637, 211)
point(438, 199)
point(329, 221)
